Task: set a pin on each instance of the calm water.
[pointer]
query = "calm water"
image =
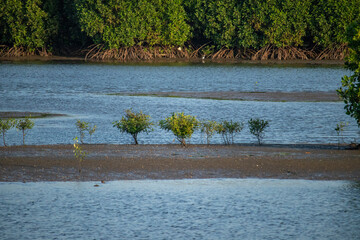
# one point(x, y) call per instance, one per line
point(79, 90)
point(181, 209)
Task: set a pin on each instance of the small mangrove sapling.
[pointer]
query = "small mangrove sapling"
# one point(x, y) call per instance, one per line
point(134, 123)
point(82, 126)
point(257, 128)
point(209, 128)
point(6, 125)
point(181, 125)
point(91, 130)
point(228, 130)
point(79, 153)
point(339, 130)
point(24, 125)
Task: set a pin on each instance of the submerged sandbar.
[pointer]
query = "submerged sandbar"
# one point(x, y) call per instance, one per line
point(245, 96)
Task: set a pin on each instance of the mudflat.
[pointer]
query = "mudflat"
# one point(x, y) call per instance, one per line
point(246, 96)
point(106, 162)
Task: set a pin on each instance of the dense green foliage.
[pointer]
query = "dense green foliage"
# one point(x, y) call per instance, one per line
point(125, 23)
point(58, 25)
point(134, 123)
point(350, 89)
point(181, 125)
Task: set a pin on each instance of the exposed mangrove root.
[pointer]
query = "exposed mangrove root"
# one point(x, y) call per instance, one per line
point(270, 52)
point(142, 53)
point(97, 52)
point(333, 53)
point(6, 51)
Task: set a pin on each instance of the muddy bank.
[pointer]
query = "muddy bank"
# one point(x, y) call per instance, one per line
point(245, 96)
point(116, 162)
point(173, 60)
point(28, 114)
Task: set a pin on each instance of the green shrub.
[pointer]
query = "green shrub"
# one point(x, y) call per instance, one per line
point(24, 125)
point(209, 128)
point(6, 125)
point(257, 127)
point(349, 91)
point(181, 125)
point(228, 130)
point(134, 123)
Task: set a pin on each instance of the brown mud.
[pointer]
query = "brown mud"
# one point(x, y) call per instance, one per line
point(117, 162)
point(16, 114)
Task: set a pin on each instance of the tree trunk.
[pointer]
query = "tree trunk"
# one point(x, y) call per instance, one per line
point(135, 139)
point(4, 139)
point(23, 137)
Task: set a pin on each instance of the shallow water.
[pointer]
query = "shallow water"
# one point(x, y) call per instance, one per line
point(79, 90)
point(181, 209)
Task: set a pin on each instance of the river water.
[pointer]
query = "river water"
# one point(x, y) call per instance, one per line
point(181, 209)
point(175, 209)
point(80, 90)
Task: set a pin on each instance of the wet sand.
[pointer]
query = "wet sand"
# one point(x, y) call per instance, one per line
point(246, 96)
point(118, 162)
point(16, 114)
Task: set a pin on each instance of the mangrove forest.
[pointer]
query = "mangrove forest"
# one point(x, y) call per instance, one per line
point(151, 29)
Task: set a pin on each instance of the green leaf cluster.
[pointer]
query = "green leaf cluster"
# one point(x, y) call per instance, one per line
point(134, 123)
point(24, 125)
point(23, 23)
point(330, 19)
point(5, 125)
point(257, 127)
point(181, 125)
point(350, 85)
point(81, 126)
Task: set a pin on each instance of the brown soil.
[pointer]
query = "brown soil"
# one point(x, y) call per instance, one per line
point(247, 96)
point(115, 162)
point(28, 114)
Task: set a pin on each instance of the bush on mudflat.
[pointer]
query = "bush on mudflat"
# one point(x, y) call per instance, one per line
point(209, 128)
point(134, 123)
point(6, 125)
point(228, 130)
point(181, 125)
point(257, 127)
point(24, 125)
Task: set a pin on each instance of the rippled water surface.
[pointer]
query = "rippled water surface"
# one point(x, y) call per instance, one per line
point(80, 90)
point(181, 209)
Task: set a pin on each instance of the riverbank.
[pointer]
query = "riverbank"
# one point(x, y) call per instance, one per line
point(160, 60)
point(116, 162)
